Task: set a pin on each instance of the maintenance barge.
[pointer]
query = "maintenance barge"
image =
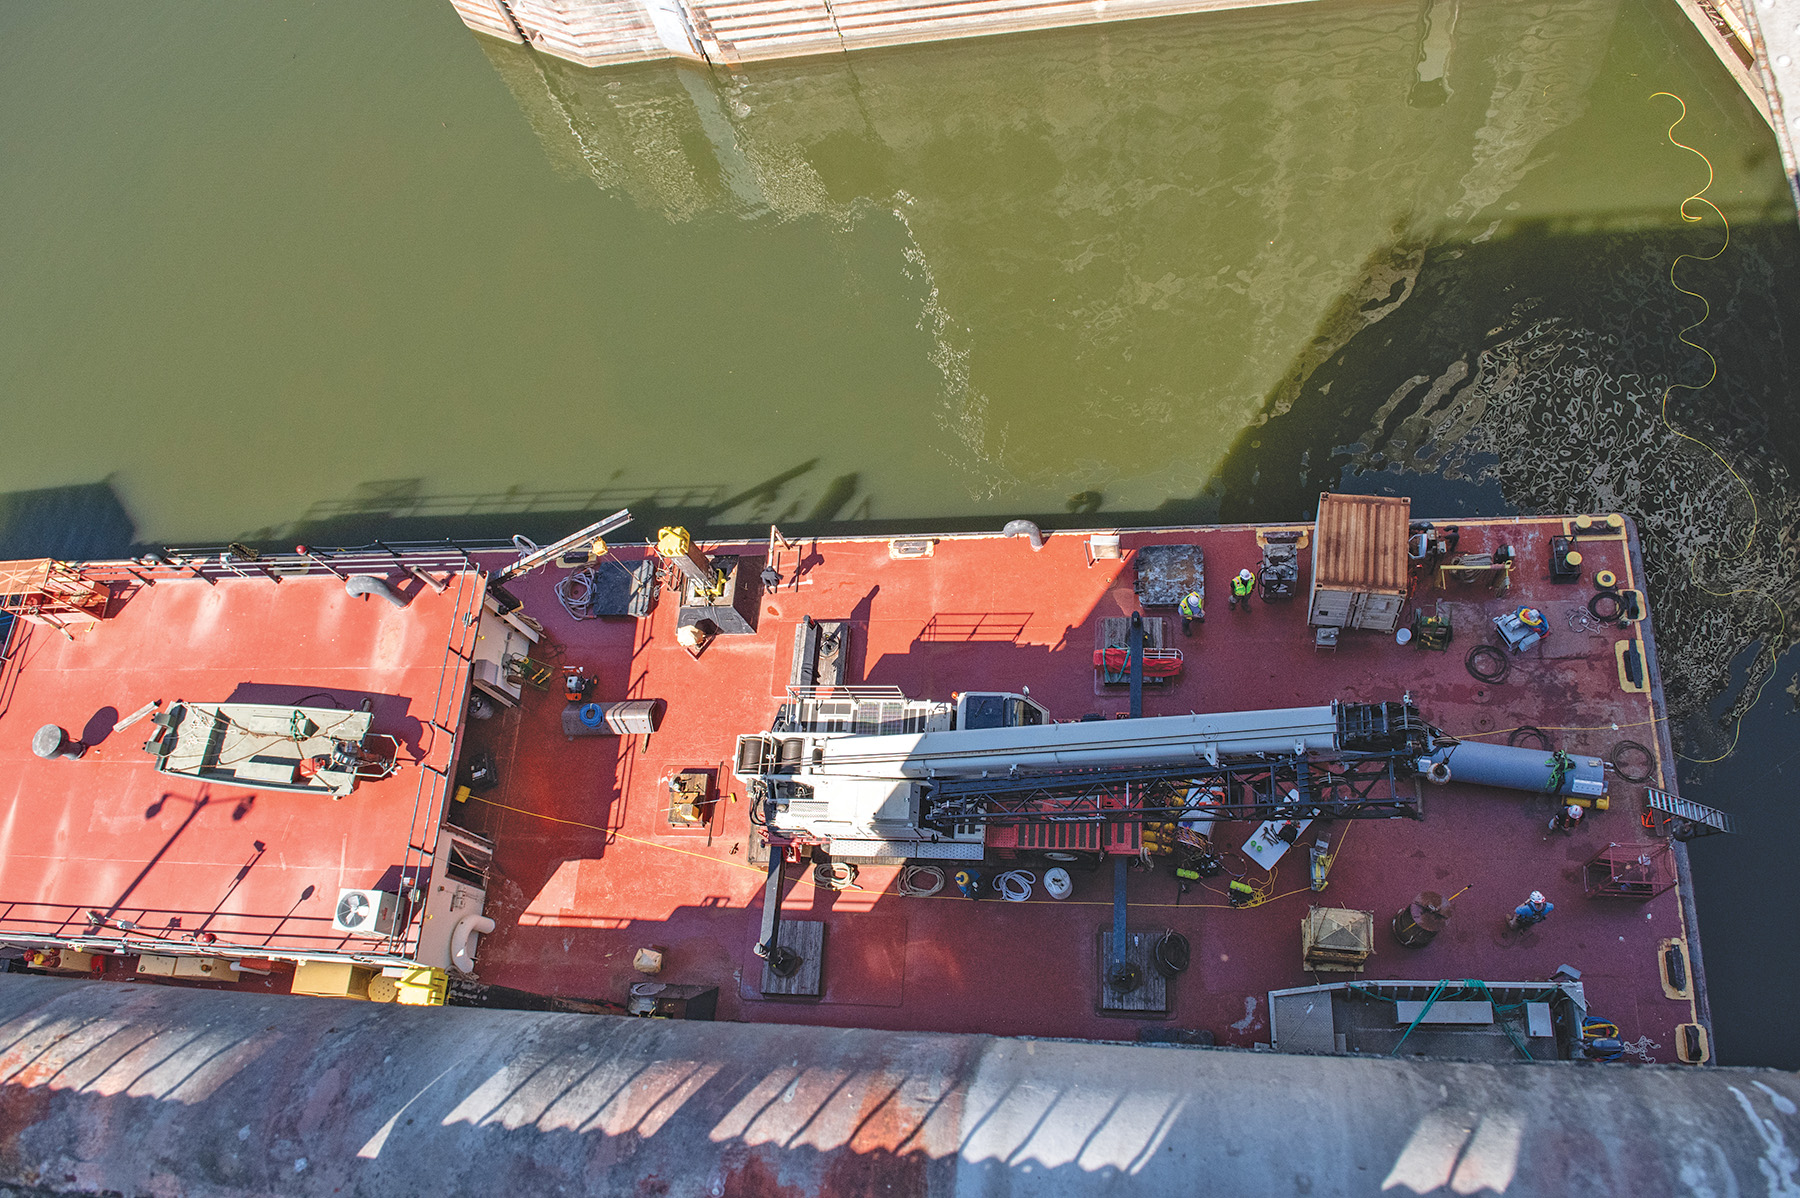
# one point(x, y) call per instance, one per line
point(965, 783)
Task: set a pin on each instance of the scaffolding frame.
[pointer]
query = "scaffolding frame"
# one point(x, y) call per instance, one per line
point(45, 591)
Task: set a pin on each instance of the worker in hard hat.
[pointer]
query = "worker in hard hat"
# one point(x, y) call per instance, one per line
point(1242, 587)
point(1566, 819)
point(1191, 611)
point(1534, 910)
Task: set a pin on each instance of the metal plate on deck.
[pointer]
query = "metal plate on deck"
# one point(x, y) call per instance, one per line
point(1165, 573)
point(621, 590)
point(1265, 848)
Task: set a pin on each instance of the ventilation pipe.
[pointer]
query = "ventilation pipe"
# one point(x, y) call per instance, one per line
point(364, 585)
point(463, 942)
point(1024, 528)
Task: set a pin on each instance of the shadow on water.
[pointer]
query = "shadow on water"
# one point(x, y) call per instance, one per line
point(1532, 380)
point(86, 520)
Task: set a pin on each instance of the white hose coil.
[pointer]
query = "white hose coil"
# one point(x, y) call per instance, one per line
point(1015, 885)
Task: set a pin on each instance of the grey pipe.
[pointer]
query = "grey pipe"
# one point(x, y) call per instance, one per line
point(597, 1104)
point(1515, 768)
point(364, 585)
point(1024, 528)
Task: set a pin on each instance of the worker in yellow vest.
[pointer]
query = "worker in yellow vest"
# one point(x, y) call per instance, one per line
point(1242, 587)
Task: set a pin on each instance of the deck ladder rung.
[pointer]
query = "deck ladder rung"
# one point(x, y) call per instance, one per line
point(1696, 813)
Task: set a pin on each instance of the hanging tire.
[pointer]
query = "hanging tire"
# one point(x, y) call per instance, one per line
point(1171, 954)
point(1607, 599)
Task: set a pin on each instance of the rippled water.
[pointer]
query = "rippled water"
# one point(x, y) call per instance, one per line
point(333, 270)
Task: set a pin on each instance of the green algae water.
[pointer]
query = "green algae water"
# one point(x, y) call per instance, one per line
point(333, 271)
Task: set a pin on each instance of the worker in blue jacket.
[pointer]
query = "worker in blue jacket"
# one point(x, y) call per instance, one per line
point(1534, 910)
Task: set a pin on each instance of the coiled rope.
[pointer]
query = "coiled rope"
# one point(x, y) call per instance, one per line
point(835, 875)
point(920, 881)
point(575, 592)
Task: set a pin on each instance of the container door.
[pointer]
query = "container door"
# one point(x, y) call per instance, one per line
point(1377, 613)
point(1330, 609)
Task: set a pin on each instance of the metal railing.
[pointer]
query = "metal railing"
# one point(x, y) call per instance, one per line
point(462, 564)
point(212, 563)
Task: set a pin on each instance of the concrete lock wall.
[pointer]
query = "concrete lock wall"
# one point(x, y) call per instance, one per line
point(150, 1089)
point(602, 32)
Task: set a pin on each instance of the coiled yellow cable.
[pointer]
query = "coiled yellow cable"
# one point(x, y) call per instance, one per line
point(1699, 197)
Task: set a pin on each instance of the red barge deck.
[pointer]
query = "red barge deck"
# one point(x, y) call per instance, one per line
point(587, 868)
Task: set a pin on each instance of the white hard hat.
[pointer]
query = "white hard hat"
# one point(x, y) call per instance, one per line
point(1574, 811)
point(1537, 896)
point(1245, 574)
point(1057, 883)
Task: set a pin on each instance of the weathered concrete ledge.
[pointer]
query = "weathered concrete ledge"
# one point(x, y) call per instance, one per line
point(142, 1089)
point(722, 32)
point(1753, 40)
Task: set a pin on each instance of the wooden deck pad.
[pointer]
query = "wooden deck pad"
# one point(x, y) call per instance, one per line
point(806, 937)
point(1152, 997)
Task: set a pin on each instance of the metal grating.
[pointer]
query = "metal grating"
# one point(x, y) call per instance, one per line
point(864, 711)
point(1124, 837)
point(1061, 834)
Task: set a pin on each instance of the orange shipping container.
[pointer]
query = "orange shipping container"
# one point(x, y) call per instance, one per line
point(1359, 574)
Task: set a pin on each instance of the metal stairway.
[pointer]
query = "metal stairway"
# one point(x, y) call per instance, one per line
point(1705, 820)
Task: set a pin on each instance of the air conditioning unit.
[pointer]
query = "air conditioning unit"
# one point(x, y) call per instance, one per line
point(366, 912)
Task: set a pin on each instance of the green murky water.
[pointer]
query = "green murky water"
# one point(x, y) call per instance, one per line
point(328, 271)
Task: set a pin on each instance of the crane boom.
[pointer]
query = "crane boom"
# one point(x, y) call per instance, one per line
point(930, 791)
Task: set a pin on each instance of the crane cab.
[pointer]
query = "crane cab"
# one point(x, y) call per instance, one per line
point(998, 709)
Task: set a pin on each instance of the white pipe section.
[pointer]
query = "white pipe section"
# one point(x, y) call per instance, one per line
point(463, 943)
point(1158, 740)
